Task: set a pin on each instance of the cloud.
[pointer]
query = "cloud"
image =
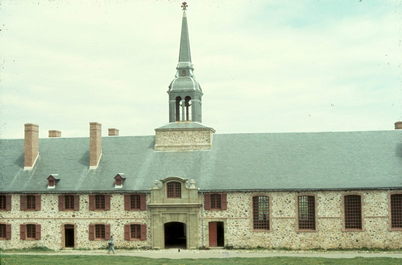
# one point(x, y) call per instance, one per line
point(264, 66)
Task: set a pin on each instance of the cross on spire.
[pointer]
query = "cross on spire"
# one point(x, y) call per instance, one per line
point(184, 5)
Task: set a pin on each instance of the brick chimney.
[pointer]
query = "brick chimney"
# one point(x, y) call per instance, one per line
point(398, 125)
point(95, 144)
point(113, 132)
point(54, 133)
point(31, 145)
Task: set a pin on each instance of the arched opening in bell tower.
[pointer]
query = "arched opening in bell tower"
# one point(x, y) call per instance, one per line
point(188, 111)
point(178, 100)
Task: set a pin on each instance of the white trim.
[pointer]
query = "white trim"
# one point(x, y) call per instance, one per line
point(97, 164)
point(33, 165)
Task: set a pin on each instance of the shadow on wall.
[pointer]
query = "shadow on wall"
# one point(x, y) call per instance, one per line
point(398, 150)
point(84, 160)
point(20, 161)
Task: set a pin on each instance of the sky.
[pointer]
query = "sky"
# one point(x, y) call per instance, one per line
point(264, 66)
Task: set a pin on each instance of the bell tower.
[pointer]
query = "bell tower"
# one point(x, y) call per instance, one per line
point(184, 91)
point(184, 132)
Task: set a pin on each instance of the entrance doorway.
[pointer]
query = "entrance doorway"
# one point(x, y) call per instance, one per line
point(175, 235)
point(216, 234)
point(69, 236)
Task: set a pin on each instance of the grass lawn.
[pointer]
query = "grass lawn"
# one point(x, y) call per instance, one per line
point(124, 260)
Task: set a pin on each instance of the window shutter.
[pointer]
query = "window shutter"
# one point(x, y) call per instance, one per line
point(22, 232)
point(143, 202)
point(143, 232)
point(61, 202)
point(37, 202)
point(76, 202)
point(91, 203)
point(107, 232)
point(224, 201)
point(91, 232)
point(37, 232)
point(127, 232)
point(23, 202)
point(8, 231)
point(207, 201)
point(8, 202)
point(107, 202)
point(127, 202)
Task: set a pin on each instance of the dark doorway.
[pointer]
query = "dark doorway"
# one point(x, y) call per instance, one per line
point(175, 235)
point(216, 234)
point(69, 236)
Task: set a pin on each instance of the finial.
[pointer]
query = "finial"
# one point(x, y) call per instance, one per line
point(184, 5)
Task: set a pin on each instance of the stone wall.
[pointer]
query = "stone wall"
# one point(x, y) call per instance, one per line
point(52, 220)
point(376, 232)
point(183, 140)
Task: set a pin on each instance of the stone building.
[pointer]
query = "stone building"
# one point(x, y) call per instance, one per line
point(188, 187)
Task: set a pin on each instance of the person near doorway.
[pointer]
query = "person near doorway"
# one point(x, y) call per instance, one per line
point(110, 245)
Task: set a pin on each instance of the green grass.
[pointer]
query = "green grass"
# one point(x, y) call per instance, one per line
point(124, 260)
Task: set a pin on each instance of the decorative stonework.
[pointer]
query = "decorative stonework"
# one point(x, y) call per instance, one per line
point(183, 136)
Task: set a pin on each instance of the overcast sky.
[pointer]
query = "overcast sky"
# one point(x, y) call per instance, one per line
point(264, 66)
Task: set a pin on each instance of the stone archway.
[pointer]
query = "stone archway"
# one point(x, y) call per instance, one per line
point(175, 235)
point(175, 220)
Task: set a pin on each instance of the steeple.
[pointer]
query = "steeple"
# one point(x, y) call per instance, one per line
point(184, 91)
point(184, 54)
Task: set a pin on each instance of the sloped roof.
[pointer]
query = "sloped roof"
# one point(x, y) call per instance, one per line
point(266, 161)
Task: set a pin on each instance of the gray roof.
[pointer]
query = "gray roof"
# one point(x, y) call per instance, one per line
point(267, 161)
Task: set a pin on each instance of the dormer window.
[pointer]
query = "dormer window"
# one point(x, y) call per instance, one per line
point(119, 180)
point(173, 189)
point(52, 181)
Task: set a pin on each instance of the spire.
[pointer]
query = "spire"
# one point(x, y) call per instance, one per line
point(184, 91)
point(184, 54)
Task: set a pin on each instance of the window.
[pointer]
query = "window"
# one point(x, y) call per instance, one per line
point(31, 231)
point(135, 232)
point(353, 212)
point(216, 202)
point(396, 210)
point(306, 213)
point(135, 201)
point(261, 212)
point(69, 202)
point(2, 231)
point(119, 180)
point(51, 183)
point(31, 202)
point(99, 202)
point(2, 202)
point(174, 190)
point(100, 232)
point(5, 202)
point(5, 231)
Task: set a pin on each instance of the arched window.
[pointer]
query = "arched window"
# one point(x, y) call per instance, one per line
point(188, 108)
point(178, 99)
point(173, 189)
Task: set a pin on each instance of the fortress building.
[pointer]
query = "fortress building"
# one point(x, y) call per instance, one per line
point(188, 187)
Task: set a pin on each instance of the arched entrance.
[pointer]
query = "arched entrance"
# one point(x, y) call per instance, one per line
point(175, 235)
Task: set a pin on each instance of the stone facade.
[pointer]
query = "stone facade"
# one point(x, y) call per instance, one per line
point(183, 139)
point(237, 219)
